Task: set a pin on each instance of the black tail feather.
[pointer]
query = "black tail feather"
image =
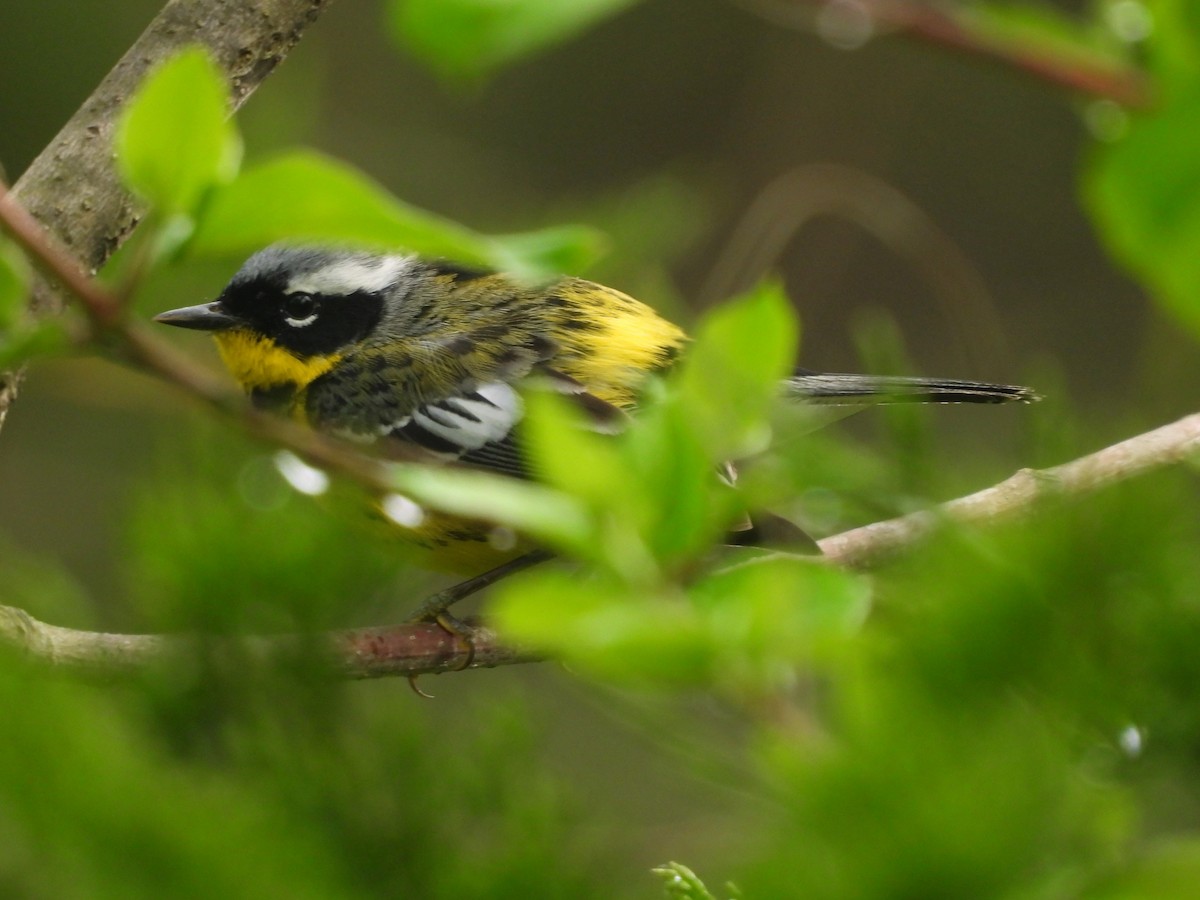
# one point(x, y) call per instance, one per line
point(831, 388)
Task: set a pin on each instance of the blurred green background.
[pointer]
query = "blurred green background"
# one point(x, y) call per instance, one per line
point(660, 126)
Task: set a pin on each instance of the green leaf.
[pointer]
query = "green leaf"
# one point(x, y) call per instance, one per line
point(303, 195)
point(590, 467)
point(570, 456)
point(1174, 48)
point(731, 376)
point(544, 514)
point(681, 883)
point(14, 285)
point(655, 489)
point(599, 624)
point(652, 492)
point(781, 606)
point(1039, 28)
point(175, 141)
point(741, 629)
point(1143, 190)
point(688, 506)
point(547, 251)
point(471, 38)
point(1144, 194)
point(1167, 869)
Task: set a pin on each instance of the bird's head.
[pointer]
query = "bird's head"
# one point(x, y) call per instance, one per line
point(290, 313)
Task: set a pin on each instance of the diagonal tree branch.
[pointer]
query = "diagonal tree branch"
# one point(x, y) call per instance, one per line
point(72, 188)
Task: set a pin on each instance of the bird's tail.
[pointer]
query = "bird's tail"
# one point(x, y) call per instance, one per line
point(853, 390)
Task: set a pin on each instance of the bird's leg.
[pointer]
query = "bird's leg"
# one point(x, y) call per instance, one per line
point(436, 607)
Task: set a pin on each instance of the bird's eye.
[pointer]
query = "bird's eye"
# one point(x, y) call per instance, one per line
point(300, 309)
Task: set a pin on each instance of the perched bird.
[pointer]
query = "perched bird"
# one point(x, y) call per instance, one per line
point(425, 360)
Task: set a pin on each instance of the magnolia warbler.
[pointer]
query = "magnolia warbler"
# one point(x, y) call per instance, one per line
point(425, 359)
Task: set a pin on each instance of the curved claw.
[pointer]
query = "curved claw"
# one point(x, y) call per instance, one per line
point(412, 683)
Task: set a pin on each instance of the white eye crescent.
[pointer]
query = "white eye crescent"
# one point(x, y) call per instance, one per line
point(300, 309)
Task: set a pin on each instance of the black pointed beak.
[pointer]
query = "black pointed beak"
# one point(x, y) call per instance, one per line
point(205, 317)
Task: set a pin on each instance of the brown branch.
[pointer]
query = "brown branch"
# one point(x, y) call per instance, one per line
point(409, 650)
point(1021, 493)
point(958, 29)
point(73, 189)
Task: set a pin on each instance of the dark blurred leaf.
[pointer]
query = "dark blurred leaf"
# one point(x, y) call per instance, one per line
point(42, 588)
point(220, 543)
point(471, 38)
point(106, 814)
point(175, 141)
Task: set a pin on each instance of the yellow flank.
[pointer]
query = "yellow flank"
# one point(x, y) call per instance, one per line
point(626, 341)
point(258, 362)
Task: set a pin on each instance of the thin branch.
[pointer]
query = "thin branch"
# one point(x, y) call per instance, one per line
point(73, 188)
point(1020, 494)
point(407, 650)
point(959, 28)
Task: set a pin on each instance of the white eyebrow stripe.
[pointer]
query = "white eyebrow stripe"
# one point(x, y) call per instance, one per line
point(369, 273)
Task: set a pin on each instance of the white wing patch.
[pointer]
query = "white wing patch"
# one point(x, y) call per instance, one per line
point(457, 425)
point(346, 276)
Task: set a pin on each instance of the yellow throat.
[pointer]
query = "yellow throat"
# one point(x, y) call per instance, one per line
point(257, 362)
